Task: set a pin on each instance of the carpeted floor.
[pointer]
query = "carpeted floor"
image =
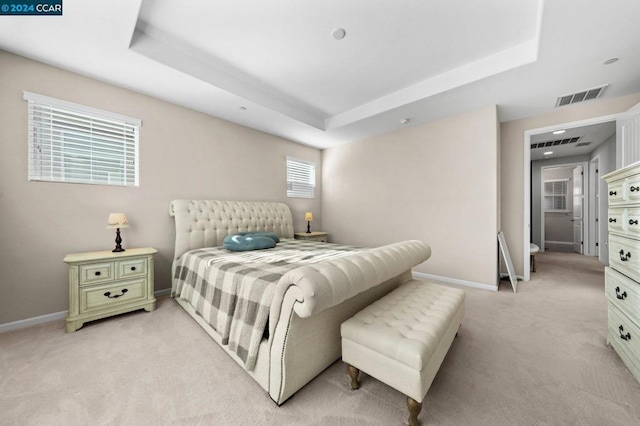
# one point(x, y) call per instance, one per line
point(538, 357)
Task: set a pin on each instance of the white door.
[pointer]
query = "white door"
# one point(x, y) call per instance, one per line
point(628, 137)
point(595, 194)
point(578, 207)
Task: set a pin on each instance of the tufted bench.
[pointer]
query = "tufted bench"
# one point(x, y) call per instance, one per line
point(402, 338)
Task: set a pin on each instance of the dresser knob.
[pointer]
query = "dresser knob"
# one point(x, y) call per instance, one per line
point(633, 222)
point(115, 296)
point(620, 296)
point(133, 268)
point(613, 193)
point(624, 257)
point(97, 273)
point(624, 336)
point(612, 220)
point(635, 188)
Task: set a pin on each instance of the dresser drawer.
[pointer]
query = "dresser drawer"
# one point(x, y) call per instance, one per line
point(632, 190)
point(623, 293)
point(624, 336)
point(632, 222)
point(616, 192)
point(131, 268)
point(616, 222)
point(624, 256)
point(100, 297)
point(96, 273)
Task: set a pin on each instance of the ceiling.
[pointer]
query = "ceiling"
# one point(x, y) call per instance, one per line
point(276, 66)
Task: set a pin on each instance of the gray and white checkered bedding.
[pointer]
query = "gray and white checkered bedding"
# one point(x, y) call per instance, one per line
point(232, 291)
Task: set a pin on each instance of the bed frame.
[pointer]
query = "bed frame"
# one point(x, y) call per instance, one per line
point(310, 302)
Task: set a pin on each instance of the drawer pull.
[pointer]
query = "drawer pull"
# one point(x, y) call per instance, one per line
point(633, 222)
point(133, 268)
point(635, 188)
point(624, 336)
point(97, 273)
point(613, 193)
point(612, 220)
point(623, 257)
point(115, 296)
point(620, 296)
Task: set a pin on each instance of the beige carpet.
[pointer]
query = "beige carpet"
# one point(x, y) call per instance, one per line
point(538, 357)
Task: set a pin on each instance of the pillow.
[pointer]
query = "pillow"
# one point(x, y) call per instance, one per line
point(238, 242)
point(271, 235)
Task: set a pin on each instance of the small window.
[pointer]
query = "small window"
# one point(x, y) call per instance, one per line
point(556, 195)
point(301, 178)
point(78, 144)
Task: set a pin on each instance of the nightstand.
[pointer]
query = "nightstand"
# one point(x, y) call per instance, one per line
point(103, 283)
point(311, 236)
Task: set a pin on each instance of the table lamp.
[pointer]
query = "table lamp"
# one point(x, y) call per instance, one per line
point(308, 216)
point(117, 220)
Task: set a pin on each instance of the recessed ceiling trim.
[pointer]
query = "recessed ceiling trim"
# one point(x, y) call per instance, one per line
point(154, 44)
point(519, 55)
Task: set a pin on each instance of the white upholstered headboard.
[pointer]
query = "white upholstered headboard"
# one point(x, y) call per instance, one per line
point(205, 223)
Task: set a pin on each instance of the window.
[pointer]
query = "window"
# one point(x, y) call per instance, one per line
point(77, 144)
point(301, 178)
point(555, 195)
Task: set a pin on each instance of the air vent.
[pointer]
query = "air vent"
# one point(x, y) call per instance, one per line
point(555, 142)
point(585, 95)
point(582, 144)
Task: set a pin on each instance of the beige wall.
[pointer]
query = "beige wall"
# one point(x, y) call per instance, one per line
point(436, 182)
point(512, 162)
point(183, 154)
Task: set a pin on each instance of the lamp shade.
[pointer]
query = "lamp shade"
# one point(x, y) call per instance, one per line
point(117, 220)
point(308, 216)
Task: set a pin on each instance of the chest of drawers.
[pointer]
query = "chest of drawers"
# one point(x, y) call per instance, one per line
point(622, 277)
point(102, 284)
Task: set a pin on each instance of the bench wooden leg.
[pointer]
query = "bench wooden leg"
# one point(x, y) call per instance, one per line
point(353, 373)
point(414, 410)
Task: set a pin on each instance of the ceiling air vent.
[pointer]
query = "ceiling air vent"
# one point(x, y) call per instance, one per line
point(582, 144)
point(555, 143)
point(585, 95)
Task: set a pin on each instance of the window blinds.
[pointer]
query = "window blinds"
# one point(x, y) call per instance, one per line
point(77, 144)
point(301, 178)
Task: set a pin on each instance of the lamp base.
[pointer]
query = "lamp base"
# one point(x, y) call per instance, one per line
point(118, 248)
point(308, 227)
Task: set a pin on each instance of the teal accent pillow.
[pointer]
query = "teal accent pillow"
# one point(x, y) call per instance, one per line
point(238, 242)
point(271, 235)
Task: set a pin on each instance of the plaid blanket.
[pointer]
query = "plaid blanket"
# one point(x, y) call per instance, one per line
point(232, 291)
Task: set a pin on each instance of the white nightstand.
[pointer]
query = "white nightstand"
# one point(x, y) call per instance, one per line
point(311, 236)
point(103, 283)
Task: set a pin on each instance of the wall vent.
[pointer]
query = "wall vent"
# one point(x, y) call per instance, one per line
point(582, 144)
point(555, 142)
point(584, 95)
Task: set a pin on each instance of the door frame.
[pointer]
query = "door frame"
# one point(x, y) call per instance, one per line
point(585, 213)
point(527, 176)
point(594, 206)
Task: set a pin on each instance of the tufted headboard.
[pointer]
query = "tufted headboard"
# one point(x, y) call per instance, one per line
point(205, 223)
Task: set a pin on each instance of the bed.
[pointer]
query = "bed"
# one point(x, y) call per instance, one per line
point(276, 312)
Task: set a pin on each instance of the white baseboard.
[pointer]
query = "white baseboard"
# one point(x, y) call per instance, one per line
point(563, 243)
point(30, 322)
point(454, 281)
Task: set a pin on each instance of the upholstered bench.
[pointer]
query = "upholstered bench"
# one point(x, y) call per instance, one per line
point(403, 338)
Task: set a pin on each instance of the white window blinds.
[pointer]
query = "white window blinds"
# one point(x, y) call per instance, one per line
point(301, 178)
point(77, 144)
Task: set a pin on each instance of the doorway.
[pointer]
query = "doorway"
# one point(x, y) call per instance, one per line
point(573, 144)
point(563, 216)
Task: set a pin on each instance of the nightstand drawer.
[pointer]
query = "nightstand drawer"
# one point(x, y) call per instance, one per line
point(131, 268)
point(96, 273)
point(99, 297)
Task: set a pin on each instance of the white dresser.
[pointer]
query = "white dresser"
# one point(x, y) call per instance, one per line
point(622, 277)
